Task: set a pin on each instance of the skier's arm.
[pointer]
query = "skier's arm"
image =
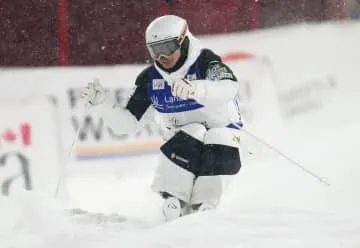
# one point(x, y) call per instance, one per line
point(137, 111)
point(125, 120)
point(219, 86)
point(128, 119)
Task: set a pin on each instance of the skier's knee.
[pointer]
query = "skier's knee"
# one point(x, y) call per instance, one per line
point(179, 161)
point(221, 153)
point(220, 160)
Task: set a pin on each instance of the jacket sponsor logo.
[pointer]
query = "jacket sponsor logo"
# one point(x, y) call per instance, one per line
point(236, 139)
point(177, 157)
point(218, 71)
point(155, 101)
point(158, 84)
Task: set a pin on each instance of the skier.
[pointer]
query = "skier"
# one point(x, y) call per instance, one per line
point(191, 92)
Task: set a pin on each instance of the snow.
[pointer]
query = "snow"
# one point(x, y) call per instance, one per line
point(271, 203)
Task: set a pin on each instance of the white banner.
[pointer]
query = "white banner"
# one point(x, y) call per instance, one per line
point(30, 157)
point(95, 140)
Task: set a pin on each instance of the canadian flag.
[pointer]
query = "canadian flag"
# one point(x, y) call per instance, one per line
point(20, 135)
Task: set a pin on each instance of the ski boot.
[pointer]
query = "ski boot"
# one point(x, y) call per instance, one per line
point(173, 208)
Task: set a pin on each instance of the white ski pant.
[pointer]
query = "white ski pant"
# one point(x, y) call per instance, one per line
point(195, 164)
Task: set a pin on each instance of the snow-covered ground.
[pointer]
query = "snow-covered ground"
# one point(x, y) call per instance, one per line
point(271, 203)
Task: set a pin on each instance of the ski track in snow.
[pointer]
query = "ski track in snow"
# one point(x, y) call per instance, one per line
point(249, 216)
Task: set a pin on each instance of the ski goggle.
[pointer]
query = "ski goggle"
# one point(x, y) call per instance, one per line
point(164, 48)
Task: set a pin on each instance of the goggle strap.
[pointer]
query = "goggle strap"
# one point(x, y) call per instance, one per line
point(182, 36)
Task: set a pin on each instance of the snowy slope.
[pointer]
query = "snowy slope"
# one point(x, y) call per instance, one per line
point(269, 204)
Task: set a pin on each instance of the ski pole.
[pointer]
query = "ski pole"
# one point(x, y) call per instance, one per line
point(281, 154)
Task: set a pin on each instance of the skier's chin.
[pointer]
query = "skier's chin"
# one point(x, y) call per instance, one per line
point(167, 63)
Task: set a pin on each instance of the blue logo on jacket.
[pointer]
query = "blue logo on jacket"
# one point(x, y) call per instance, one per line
point(159, 92)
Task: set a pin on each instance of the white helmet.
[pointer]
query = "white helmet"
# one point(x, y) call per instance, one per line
point(165, 35)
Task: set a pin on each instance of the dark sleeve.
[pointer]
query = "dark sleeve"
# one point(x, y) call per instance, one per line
point(139, 100)
point(212, 67)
